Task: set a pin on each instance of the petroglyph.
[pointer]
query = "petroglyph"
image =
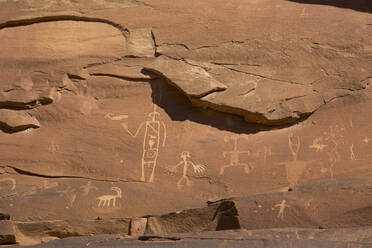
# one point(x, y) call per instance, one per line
point(87, 188)
point(235, 157)
point(116, 117)
point(53, 147)
point(267, 153)
point(12, 181)
point(318, 145)
point(109, 200)
point(49, 185)
point(352, 154)
point(71, 200)
point(366, 140)
point(334, 136)
point(199, 169)
point(151, 142)
point(281, 207)
point(294, 168)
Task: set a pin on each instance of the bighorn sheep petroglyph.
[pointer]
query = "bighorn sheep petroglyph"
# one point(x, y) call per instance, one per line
point(105, 200)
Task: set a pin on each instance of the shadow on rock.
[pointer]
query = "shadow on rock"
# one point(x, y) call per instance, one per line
point(359, 5)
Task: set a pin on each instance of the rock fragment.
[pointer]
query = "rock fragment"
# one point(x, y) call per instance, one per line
point(7, 235)
point(14, 121)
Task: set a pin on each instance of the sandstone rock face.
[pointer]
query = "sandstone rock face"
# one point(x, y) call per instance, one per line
point(157, 117)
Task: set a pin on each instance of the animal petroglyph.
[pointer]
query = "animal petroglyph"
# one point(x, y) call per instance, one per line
point(151, 142)
point(12, 181)
point(109, 200)
point(49, 185)
point(366, 140)
point(87, 188)
point(235, 157)
point(116, 117)
point(186, 162)
point(281, 207)
point(318, 145)
point(294, 168)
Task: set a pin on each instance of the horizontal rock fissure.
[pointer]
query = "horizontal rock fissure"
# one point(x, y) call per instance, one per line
point(9, 129)
point(121, 77)
point(30, 21)
point(261, 76)
point(18, 105)
point(34, 174)
point(157, 238)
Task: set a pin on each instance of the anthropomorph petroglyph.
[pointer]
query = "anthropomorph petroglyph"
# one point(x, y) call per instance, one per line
point(109, 200)
point(12, 181)
point(151, 142)
point(235, 157)
point(334, 136)
point(281, 207)
point(294, 168)
point(186, 162)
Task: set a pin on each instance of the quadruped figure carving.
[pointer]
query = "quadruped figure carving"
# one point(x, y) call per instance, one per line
point(199, 169)
point(151, 142)
point(105, 200)
point(235, 157)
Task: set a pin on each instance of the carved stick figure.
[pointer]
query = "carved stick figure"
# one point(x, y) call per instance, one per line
point(151, 141)
point(282, 206)
point(198, 169)
point(234, 157)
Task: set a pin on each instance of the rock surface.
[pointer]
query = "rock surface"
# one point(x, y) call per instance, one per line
point(243, 238)
point(114, 114)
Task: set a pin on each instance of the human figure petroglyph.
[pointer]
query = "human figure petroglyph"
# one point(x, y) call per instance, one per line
point(334, 136)
point(199, 169)
point(281, 207)
point(106, 200)
point(235, 157)
point(295, 168)
point(151, 142)
point(11, 180)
